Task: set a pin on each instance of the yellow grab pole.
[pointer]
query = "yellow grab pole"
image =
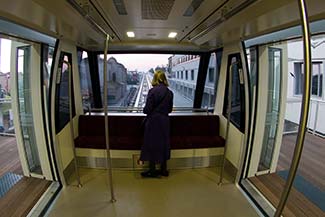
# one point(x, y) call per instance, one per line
point(304, 110)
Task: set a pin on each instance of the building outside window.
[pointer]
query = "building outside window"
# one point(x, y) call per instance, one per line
point(192, 75)
point(316, 82)
point(298, 78)
point(186, 75)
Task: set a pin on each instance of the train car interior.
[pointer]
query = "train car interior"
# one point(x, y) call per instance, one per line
point(246, 135)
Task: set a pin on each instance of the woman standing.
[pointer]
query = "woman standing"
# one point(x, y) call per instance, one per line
point(156, 146)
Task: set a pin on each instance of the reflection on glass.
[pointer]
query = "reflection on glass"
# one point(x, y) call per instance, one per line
point(25, 109)
point(273, 109)
point(85, 81)
point(47, 64)
point(237, 116)
point(211, 83)
point(62, 96)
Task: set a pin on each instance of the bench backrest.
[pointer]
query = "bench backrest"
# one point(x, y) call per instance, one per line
point(130, 126)
point(94, 125)
point(194, 125)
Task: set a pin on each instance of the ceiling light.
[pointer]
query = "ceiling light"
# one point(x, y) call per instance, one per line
point(172, 34)
point(130, 34)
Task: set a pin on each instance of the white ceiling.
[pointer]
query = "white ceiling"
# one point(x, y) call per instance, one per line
point(213, 24)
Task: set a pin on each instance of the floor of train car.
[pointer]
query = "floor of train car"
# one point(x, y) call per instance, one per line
point(311, 169)
point(190, 192)
point(23, 195)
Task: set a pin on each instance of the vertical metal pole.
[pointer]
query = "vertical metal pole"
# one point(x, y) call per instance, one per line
point(228, 124)
point(108, 151)
point(71, 124)
point(304, 109)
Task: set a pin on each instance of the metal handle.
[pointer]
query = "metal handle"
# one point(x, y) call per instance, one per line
point(304, 109)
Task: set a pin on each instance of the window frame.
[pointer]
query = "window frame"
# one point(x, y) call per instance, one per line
point(320, 83)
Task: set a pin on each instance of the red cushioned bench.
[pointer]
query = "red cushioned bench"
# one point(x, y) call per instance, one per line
point(125, 133)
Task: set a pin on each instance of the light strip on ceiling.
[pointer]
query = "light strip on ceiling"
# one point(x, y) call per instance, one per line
point(130, 34)
point(172, 34)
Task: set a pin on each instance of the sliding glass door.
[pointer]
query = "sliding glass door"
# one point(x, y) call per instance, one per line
point(25, 111)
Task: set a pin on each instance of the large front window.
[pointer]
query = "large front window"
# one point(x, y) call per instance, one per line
point(129, 77)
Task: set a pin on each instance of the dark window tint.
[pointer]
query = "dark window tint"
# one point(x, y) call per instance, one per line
point(85, 81)
point(252, 58)
point(237, 116)
point(186, 74)
point(192, 75)
point(62, 92)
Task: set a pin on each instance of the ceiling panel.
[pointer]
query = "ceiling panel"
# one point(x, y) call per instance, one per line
point(156, 9)
point(154, 19)
point(58, 18)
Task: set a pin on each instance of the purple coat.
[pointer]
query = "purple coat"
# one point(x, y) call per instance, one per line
point(156, 145)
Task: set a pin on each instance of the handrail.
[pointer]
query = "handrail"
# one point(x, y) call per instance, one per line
point(304, 109)
point(108, 151)
point(140, 109)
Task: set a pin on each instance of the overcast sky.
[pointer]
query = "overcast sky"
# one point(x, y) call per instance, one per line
point(141, 62)
point(5, 55)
